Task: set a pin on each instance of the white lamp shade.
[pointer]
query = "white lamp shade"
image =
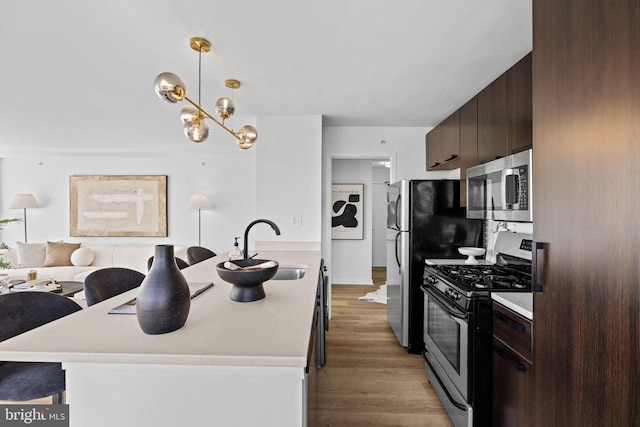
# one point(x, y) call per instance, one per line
point(24, 201)
point(199, 201)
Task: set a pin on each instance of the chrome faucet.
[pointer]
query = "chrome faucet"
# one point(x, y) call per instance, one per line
point(246, 233)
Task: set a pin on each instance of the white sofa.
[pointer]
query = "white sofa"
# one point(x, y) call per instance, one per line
point(128, 256)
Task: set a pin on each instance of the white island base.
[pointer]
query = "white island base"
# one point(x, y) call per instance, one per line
point(168, 395)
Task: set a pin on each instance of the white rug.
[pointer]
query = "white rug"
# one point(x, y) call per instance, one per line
point(379, 296)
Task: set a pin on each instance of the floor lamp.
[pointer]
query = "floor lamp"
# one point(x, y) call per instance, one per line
point(24, 201)
point(200, 202)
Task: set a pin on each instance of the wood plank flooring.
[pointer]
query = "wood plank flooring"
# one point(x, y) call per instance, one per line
point(369, 379)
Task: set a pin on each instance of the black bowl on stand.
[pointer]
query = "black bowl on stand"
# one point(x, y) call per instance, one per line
point(247, 284)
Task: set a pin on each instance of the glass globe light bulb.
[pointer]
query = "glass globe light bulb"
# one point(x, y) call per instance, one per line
point(170, 87)
point(247, 135)
point(188, 113)
point(225, 108)
point(196, 129)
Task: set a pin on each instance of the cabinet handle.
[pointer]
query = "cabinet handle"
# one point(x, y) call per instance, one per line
point(536, 264)
point(453, 157)
point(504, 355)
point(435, 164)
point(517, 326)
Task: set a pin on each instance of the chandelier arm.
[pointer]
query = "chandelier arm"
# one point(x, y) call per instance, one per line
point(211, 117)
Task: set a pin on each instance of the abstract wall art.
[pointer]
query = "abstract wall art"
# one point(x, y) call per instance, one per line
point(118, 205)
point(347, 211)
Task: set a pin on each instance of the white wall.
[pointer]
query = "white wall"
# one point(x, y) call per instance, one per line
point(48, 179)
point(216, 167)
point(406, 149)
point(379, 217)
point(289, 171)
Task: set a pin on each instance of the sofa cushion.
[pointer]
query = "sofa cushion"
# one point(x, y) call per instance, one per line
point(82, 256)
point(31, 254)
point(102, 254)
point(134, 257)
point(59, 254)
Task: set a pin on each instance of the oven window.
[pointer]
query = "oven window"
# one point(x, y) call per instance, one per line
point(445, 333)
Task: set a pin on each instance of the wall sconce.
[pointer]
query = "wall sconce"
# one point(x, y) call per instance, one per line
point(199, 201)
point(24, 201)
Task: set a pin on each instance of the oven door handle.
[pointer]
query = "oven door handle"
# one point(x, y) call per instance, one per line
point(458, 405)
point(445, 305)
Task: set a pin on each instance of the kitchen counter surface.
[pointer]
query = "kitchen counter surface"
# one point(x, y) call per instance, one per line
point(520, 302)
point(272, 332)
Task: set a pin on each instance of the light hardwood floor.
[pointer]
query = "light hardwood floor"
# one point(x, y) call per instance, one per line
point(369, 379)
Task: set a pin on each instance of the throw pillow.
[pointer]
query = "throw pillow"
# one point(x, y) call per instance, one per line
point(58, 254)
point(82, 257)
point(31, 254)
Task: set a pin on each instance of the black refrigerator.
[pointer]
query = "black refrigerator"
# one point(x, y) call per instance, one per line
point(424, 221)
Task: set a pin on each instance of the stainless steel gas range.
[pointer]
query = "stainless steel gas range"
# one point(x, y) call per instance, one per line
point(457, 326)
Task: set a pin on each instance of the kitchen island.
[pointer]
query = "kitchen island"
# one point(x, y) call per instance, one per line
point(231, 363)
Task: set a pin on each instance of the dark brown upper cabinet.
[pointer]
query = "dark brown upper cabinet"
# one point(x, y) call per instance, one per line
point(468, 143)
point(443, 144)
point(520, 105)
point(451, 138)
point(433, 142)
point(493, 120)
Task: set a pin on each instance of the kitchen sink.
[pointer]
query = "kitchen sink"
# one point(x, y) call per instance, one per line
point(290, 273)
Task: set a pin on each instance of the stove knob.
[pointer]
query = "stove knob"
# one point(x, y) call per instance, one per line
point(432, 280)
point(452, 294)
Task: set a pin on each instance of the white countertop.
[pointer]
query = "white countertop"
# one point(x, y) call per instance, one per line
point(520, 302)
point(274, 331)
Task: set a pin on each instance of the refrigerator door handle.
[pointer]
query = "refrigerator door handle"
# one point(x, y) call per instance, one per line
point(399, 214)
point(397, 257)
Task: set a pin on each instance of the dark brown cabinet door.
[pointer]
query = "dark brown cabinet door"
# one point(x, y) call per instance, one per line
point(433, 142)
point(468, 143)
point(586, 160)
point(512, 379)
point(520, 105)
point(511, 388)
point(451, 138)
point(493, 120)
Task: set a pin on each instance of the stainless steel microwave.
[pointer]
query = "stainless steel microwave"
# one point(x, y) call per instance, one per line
point(501, 189)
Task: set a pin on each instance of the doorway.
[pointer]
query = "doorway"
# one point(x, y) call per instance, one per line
point(352, 260)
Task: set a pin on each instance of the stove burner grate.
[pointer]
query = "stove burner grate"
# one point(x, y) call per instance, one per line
point(486, 277)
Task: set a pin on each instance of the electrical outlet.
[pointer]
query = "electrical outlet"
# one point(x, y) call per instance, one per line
point(295, 221)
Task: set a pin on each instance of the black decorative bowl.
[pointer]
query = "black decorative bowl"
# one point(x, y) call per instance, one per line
point(247, 284)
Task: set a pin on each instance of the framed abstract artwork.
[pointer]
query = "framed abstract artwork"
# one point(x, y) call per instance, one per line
point(347, 211)
point(118, 205)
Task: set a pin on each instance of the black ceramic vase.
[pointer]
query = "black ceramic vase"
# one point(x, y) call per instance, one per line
point(164, 298)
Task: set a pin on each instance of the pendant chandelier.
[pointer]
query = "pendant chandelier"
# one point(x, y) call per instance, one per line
point(170, 87)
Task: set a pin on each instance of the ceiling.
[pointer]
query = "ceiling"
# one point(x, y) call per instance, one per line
point(79, 74)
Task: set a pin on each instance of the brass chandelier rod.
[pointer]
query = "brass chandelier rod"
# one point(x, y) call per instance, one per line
point(209, 116)
point(170, 88)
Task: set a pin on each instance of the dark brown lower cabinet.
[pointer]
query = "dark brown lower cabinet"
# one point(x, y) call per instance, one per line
point(512, 375)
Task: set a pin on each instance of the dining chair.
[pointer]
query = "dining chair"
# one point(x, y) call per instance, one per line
point(181, 263)
point(108, 282)
point(21, 312)
point(196, 254)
